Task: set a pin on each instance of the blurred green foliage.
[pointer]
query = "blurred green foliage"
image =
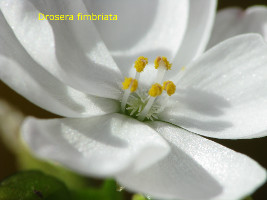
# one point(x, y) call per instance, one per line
point(33, 185)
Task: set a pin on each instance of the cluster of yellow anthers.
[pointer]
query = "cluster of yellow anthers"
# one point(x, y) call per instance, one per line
point(131, 84)
point(156, 89)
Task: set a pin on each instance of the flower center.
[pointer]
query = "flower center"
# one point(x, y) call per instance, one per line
point(146, 104)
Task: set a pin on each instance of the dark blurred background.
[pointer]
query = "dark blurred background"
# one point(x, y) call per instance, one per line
point(254, 148)
point(240, 3)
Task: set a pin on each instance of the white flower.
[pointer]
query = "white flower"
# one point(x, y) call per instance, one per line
point(222, 94)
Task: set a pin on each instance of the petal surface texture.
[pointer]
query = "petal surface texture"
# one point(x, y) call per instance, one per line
point(71, 50)
point(198, 31)
point(98, 146)
point(224, 93)
point(196, 169)
point(234, 21)
point(19, 71)
point(144, 27)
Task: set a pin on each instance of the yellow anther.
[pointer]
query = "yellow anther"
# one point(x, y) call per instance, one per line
point(155, 90)
point(161, 60)
point(170, 87)
point(130, 82)
point(134, 85)
point(183, 68)
point(140, 63)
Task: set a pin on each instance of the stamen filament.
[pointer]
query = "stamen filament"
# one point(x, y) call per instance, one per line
point(129, 85)
point(162, 65)
point(137, 76)
point(144, 112)
point(160, 74)
point(154, 92)
point(124, 99)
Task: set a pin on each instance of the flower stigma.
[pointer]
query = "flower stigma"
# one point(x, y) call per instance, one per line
point(142, 103)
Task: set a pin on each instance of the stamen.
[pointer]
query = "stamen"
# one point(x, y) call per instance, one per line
point(154, 92)
point(162, 60)
point(129, 85)
point(140, 65)
point(162, 65)
point(170, 87)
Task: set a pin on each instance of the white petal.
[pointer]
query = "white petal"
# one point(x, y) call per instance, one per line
point(21, 73)
point(196, 168)
point(98, 146)
point(70, 50)
point(144, 27)
point(201, 18)
point(224, 93)
point(234, 21)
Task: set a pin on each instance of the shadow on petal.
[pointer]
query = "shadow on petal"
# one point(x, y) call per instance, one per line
point(203, 102)
point(196, 109)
